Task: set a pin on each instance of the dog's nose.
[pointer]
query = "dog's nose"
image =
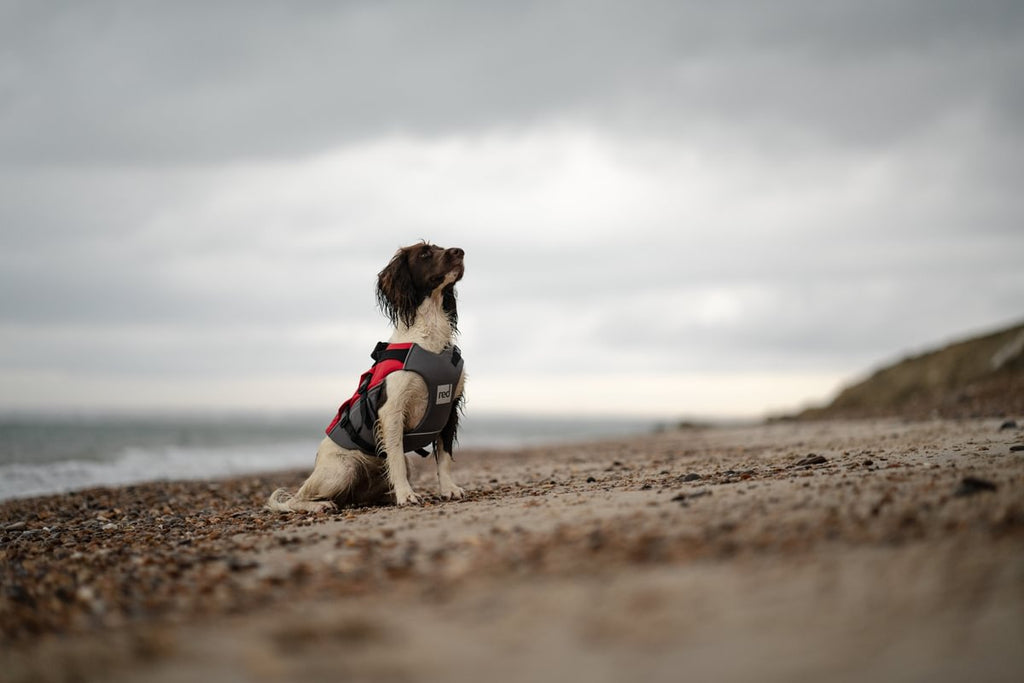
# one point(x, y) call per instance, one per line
point(455, 252)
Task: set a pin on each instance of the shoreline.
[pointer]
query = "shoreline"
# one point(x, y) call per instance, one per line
point(774, 551)
point(43, 455)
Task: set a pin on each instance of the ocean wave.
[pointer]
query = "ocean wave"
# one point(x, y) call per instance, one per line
point(135, 465)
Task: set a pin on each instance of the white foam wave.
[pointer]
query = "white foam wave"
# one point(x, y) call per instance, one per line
point(134, 465)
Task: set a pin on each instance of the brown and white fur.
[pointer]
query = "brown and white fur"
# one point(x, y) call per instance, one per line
point(416, 290)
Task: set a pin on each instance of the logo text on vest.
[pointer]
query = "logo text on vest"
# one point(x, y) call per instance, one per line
point(444, 393)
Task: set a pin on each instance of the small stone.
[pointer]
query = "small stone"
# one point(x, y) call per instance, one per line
point(591, 480)
point(811, 459)
point(16, 526)
point(683, 497)
point(692, 476)
point(972, 485)
point(1008, 424)
point(18, 593)
point(237, 564)
point(1017, 448)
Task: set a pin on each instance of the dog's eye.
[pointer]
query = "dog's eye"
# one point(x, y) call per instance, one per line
point(425, 254)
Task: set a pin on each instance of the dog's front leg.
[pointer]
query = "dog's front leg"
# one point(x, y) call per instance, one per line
point(447, 485)
point(392, 426)
point(443, 451)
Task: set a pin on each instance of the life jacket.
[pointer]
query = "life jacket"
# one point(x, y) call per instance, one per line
point(353, 426)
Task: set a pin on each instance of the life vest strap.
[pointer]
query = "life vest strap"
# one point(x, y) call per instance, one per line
point(385, 351)
point(353, 434)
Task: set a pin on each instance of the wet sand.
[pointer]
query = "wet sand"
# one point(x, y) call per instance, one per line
point(859, 550)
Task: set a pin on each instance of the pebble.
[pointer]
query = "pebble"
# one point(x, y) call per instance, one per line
point(683, 497)
point(972, 485)
point(811, 459)
point(1017, 448)
point(1008, 424)
point(692, 476)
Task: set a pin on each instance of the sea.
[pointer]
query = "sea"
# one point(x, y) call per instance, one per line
point(57, 454)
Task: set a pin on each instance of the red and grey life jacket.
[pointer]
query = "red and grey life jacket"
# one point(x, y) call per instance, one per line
point(353, 426)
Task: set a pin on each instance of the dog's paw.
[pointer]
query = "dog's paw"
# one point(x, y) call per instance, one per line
point(406, 497)
point(321, 507)
point(317, 507)
point(452, 492)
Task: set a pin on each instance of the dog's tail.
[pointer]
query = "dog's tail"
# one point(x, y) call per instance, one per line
point(279, 500)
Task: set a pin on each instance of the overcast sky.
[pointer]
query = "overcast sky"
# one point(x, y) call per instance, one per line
point(668, 208)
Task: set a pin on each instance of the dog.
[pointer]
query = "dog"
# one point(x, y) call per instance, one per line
point(416, 291)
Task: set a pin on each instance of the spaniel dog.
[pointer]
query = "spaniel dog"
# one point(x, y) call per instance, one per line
point(362, 460)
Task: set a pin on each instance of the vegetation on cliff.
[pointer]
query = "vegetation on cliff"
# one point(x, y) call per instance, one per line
point(978, 377)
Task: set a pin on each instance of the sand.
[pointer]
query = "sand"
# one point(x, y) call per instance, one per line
point(866, 550)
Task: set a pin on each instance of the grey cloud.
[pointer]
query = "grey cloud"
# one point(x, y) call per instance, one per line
point(181, 82)
point(109, 283)
point(746, 302)
point(163, 352)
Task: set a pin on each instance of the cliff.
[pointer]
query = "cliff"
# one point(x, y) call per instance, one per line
point(978, 377)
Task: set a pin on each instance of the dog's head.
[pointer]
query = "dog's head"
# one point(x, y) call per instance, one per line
point(415, 273)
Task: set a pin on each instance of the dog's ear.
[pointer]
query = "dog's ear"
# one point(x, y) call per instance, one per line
point(450, 307)
point(396, 291)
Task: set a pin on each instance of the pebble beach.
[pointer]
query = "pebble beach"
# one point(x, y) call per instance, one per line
point(832, 550)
